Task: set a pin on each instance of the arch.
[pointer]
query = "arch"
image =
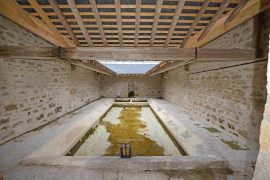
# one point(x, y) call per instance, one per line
point(131, 89)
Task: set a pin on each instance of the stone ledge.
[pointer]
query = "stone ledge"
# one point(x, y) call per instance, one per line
point(141, 163)
point(64, 141)
point(190, 141)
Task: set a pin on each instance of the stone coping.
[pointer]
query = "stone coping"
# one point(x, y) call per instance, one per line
point(131, 103)
point(140, 163)
point(63, 142)
point(189, 141)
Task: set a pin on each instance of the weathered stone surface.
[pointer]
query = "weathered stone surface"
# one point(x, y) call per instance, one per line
point(262, 170)
point(33, 92)
point(227, 98)
point(144, 86)
point(11, 107)
point(14, 35)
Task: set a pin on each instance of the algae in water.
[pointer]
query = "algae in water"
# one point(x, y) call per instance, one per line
point(128, 128)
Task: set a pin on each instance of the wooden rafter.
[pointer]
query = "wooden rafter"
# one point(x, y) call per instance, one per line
point(215, 1)
point(22, 12)
point(130, 37)
point(46, 19)
point(131, 20)
point(137, 23)
point(78, 18)
point(175, 19)
point(236, 11)
point(155, 21)
point(195, 22)
point(99, 23)
point(119, 21)
point(214, 19)
point(130, 6)
point(63, 19)
point(210, 55)
point(251, 9)
point(29, 22)
point(92, 66)
point(126, 14)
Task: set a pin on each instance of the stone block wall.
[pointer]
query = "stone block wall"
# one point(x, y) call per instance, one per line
point(12, 34)
point(34, 92)
point(231, 99)
point(145, 86)
point(262, 170)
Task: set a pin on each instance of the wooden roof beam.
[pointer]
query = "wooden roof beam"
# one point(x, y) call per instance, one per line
point(119, 21)
point(251, 9)
point(175, 19)
point(211, 54)
point(46, 19)
point(63, 20)
point(29, 22)
point(128, 53)
point(78, 18)
point(195, 22)
point(99, 23)
point(86, 53)
point(155, 22)
point(137, 22)
point(214, 19)
point(236, 11)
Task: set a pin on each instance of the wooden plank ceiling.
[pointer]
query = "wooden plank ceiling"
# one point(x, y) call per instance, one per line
point(113, 23)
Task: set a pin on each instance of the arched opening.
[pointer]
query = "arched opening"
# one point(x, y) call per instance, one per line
point(131, 89)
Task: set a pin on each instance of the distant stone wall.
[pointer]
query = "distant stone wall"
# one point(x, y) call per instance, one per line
point(34, 92)
point(145, 86)
point(12, 34)
point(230, 99)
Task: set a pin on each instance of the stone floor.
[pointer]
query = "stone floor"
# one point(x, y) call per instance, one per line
point(241, 160)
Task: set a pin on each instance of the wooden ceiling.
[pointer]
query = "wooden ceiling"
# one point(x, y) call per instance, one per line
point(127, 23)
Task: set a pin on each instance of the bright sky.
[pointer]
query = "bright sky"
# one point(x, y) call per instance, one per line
point(129, 67)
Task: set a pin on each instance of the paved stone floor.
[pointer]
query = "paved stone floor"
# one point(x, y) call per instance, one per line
point(241, 159)
point(11, 153)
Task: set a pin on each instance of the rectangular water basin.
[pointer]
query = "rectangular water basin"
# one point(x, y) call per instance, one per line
point(137, 124)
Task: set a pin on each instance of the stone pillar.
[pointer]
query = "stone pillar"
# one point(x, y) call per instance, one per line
point(262, 170)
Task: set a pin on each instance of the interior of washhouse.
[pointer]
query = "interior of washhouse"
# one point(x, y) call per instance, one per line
point(134, 89)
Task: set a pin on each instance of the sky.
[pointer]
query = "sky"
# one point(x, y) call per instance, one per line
point(129, 67)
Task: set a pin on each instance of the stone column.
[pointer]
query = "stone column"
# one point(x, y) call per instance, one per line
point(262, 170)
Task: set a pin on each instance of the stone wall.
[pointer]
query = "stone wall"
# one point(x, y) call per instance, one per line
point(34, 92)
point(231, 99)
point(262, 170)
point(145, 86)
point(12, 34)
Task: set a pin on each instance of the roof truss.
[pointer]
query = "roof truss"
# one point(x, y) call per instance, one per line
point(133, 24)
